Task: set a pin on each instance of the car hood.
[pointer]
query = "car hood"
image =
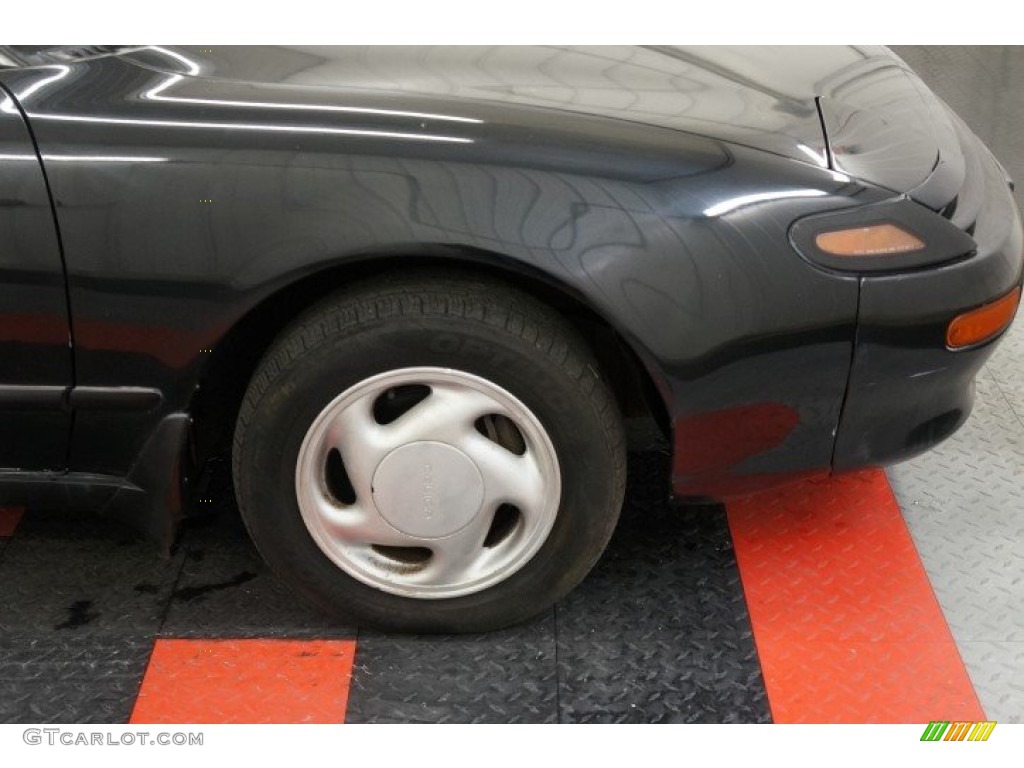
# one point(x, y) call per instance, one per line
point(759, 96)
point(884, 125)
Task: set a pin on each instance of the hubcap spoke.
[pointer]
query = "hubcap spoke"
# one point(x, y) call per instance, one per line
point(357, 436)
point(461, 556)
point(360, 524)
point(446, 415)
point(507, 478)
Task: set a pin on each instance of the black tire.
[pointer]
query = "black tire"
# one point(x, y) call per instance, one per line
point(432, 319)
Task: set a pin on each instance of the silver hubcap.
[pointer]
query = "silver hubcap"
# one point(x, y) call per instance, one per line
point(428, 482)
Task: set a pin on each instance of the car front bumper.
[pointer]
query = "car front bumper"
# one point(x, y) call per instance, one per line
point(907, 390)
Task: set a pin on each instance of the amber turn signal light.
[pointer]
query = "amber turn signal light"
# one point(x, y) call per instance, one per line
point(875, 240)
point(982, 323)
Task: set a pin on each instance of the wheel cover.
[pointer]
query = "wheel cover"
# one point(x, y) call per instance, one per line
point(433, 507)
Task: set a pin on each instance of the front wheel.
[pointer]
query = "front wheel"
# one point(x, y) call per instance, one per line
point(435, 454)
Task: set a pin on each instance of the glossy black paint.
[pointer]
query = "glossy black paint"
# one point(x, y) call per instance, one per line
point(34, 337)
point(657, 188)
point(907, 391)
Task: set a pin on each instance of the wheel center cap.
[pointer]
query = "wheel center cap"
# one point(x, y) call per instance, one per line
point(428, 489)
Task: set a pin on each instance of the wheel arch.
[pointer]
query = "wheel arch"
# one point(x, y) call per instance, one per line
point(224, 378)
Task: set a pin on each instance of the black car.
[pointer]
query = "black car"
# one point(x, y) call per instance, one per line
point(415, 293)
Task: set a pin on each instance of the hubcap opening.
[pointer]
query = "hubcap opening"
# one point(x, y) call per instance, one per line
point(506, 520)
point(409, 556)
point(337, 480)
point(503, 431)
point(397, 401)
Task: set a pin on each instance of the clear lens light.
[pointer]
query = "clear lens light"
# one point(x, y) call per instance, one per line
point(876, 240)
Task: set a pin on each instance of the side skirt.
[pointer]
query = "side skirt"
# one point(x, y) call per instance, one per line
point(150, 498)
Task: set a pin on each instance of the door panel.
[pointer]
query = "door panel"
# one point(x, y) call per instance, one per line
point(35, 352)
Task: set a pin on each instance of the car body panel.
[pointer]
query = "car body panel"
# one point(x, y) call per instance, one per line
point(201, 214)
point(907, 391)
point(35, 350)
point(884, 126)
point(758, 96)
point(204, 184)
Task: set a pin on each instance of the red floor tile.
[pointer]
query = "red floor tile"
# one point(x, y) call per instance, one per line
point(847, 627)
point(246, 681)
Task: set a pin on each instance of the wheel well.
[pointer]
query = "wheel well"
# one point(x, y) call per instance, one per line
point(234, 360)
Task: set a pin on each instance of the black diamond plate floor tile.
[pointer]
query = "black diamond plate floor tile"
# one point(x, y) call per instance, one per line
point(75, 575)
point(81, 599)
point(659, 631)
point(58, 679)
point(669, 571)
point(657, 681)
point(225, 590)
point(502, 677)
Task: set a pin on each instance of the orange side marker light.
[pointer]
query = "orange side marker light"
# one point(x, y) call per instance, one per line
point(983, 323)
point(876, 240)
